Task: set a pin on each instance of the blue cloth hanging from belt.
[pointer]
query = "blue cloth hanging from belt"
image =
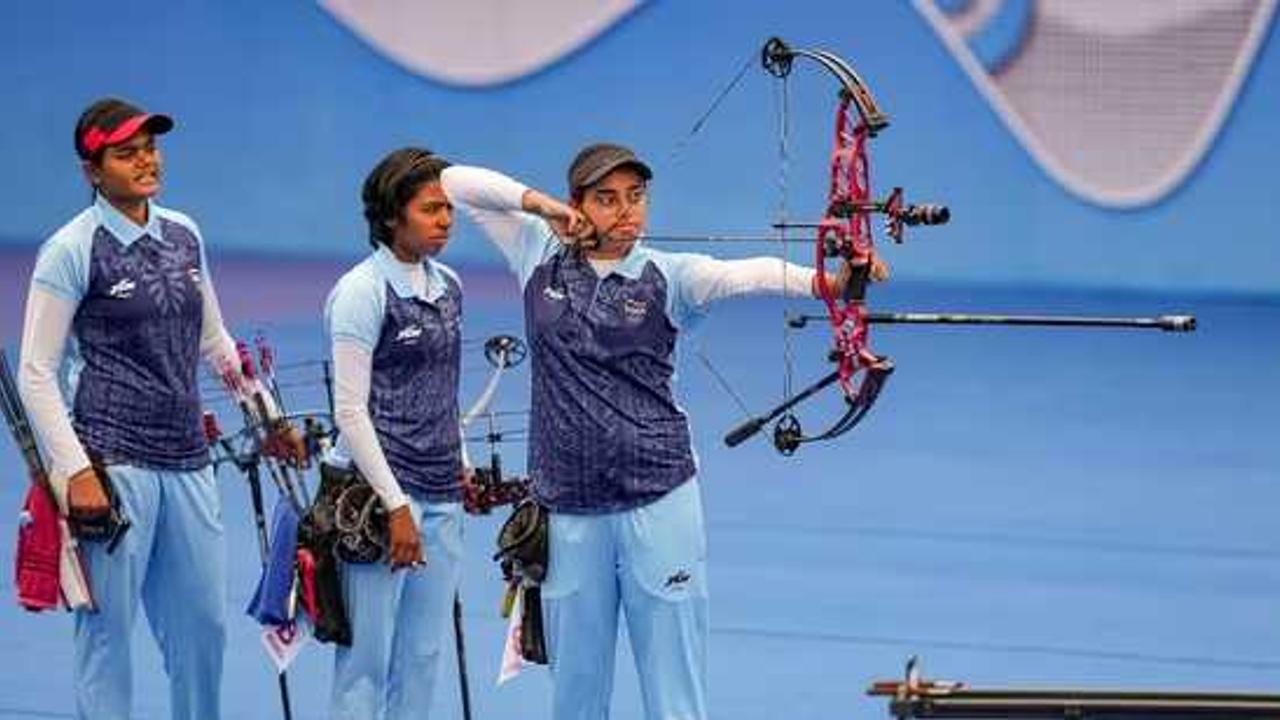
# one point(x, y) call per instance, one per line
point(271, 603)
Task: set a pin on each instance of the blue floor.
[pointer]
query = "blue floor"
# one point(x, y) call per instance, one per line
point(1024, 507)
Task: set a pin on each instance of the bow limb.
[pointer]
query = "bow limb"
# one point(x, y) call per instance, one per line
point(777, 57)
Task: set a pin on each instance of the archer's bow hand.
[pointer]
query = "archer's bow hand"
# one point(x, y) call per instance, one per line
point(838, 281)
point(286, 442)
point(879, 269)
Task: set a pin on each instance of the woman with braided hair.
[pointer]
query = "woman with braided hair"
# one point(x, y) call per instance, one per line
point(393, 324)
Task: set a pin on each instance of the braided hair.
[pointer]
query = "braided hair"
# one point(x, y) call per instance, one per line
point(392, 184)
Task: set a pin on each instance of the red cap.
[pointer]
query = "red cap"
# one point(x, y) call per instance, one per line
point(111, 121)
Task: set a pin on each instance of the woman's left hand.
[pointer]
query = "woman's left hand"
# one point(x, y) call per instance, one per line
point(837, 282)
point(879, 269)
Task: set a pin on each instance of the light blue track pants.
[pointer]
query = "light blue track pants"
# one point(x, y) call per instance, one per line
point(652, 562)
point(400, 624)
point(173, 560)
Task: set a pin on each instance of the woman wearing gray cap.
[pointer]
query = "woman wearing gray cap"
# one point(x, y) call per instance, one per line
point(609, 448)
point(126, 281)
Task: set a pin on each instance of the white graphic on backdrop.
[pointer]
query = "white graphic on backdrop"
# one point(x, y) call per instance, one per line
point(1117, 100)
point(477, 42)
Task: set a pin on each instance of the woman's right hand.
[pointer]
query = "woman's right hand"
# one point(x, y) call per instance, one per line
point(85, 497)
point(568, 222)
point(406, 544)
point(573, 227)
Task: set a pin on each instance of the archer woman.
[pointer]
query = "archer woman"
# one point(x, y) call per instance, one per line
point(609, 448)
point(122, 294)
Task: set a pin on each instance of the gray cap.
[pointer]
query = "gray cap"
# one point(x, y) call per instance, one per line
point(596, 161)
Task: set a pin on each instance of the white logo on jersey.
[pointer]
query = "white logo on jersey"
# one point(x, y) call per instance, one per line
point(409, 334)
point(634, 309)
point(552, 294)
point(122, 290)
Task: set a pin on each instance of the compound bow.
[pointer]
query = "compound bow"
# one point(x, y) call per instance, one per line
point(844, 238)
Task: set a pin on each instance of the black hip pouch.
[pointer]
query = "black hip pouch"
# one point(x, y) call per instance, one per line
point(524, 552)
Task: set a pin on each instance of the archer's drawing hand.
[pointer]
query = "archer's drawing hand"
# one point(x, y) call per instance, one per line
point(567, 222)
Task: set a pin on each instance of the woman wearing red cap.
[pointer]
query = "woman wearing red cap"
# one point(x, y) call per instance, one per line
point(121, 300)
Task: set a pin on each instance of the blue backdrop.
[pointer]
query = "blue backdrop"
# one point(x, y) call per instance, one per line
point(1022, 507)
point(282, 110)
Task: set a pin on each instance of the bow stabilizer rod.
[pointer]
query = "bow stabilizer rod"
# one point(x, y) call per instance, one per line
point(1168, 323)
